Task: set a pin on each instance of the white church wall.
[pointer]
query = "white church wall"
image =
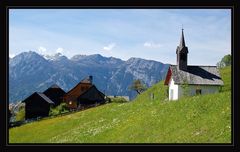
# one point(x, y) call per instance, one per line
point(205, 89)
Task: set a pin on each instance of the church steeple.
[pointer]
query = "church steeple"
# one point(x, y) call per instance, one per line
point(182, 52)
point(182, 41)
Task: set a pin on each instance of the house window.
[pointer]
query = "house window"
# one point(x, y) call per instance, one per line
point(198, 91)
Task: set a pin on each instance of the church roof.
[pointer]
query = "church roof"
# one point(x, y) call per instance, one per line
point(196, 75)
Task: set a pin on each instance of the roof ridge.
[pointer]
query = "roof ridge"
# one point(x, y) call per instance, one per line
point(54, 86)
point(76, 86)
point(42, 95)
point(93, 86)
point(204, 65)
point(45, 97)
point(197, 65)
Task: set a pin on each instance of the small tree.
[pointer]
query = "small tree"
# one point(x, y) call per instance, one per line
point(19, 112)
point(226, 61)
point(20, 116)
point(220, 65)
point(138, 86)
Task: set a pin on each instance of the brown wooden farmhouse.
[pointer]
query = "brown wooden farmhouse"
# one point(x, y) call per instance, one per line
point(83, 95)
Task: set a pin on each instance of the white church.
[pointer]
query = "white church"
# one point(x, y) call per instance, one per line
point(198, 79)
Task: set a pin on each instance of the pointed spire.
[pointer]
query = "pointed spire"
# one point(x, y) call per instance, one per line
point(182, 41)
point(182, 52)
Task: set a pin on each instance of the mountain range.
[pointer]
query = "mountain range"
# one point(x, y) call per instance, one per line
point(31, 72)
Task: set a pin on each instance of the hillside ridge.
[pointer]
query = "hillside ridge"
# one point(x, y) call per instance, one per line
point(197, 119)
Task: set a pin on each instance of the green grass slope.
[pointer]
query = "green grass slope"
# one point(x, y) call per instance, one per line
point(198, 119)
point(226, 77)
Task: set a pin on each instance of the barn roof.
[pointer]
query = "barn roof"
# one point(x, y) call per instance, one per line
point(200, 75)
point(43, 96)
point(89, 93)
point(55, 93)
point(88, 79)
point(55, 86)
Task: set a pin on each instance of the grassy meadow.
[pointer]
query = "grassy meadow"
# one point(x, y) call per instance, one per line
point(197, 119)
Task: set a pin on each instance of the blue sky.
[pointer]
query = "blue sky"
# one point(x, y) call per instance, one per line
point(123, 33)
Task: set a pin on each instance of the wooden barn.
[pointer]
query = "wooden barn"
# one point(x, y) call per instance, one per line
point(37, 105)
point(55, 93)
point(83, 94)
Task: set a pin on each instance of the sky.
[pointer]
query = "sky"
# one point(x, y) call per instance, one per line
point(152, 34)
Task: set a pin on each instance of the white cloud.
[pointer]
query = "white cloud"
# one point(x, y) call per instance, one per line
point(109, 47)
point(42, 50)
point(152, 45)
point(59, 50)
point(11, 55)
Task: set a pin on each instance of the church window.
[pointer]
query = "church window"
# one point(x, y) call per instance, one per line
point(198, 91)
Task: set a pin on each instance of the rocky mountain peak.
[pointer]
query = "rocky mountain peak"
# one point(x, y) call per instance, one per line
point(30, 72)
point(55, 57)
point(78, 57)
point(25, 58)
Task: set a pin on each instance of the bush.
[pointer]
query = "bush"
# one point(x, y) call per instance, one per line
point(62, 108)
point(118, 100)
point(20, 115)
point(166, 92)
